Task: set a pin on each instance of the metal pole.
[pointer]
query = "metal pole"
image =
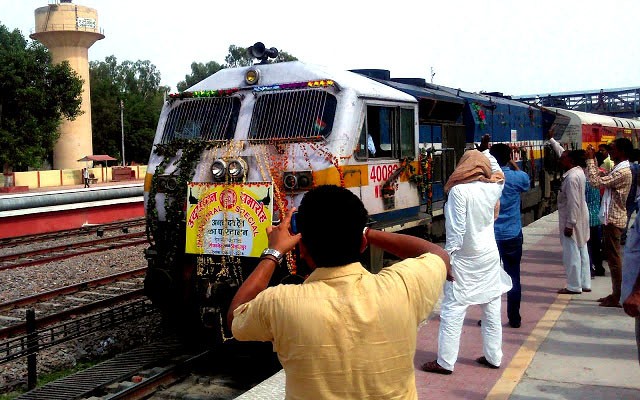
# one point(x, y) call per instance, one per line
point(32, 346)
point(122, 128)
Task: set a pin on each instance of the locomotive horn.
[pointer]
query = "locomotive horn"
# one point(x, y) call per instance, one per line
point(259, 51)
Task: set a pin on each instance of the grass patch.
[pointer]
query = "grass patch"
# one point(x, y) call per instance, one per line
point(50, 377)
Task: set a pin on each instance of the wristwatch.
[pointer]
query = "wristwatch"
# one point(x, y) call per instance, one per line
point(273, 253)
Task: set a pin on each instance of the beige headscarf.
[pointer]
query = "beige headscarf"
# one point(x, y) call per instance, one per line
point(473, 166)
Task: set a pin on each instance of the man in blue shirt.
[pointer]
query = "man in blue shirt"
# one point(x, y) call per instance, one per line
point(508, 226)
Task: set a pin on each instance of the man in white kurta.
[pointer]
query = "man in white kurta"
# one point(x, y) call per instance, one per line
point(573, 222)
point(478, 277)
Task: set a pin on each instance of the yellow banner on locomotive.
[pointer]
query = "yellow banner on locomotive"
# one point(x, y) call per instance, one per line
point(228, 219)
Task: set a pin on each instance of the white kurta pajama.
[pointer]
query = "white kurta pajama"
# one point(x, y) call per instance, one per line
point(475, 266)
point(573, 213)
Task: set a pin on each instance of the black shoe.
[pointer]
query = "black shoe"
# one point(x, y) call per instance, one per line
point(479, 322)
point(434, 367)
point(515, 324)
point(482, 360)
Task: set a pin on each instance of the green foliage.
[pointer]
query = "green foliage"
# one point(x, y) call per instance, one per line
point(35, 95)
point(199, 71)
point(137, 85)
point(237, 57)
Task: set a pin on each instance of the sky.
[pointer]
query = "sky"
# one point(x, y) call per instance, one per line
point(511, 46)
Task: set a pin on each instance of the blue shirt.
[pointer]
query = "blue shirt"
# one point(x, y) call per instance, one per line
point(631, 258)
point(509, 223)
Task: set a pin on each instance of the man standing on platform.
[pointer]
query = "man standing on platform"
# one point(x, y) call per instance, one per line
point(344, 333)
point(508, 226)
point(573, 220)
point(613, 213)
point(473, 197)
point(85, 176)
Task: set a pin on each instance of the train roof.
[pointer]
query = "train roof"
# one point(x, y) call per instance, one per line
point(483, 98)
point(296, 71)
point(596, 119)
point(425, 92)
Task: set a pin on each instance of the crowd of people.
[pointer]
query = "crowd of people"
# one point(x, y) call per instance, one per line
point(598, 197)
point(349, 334)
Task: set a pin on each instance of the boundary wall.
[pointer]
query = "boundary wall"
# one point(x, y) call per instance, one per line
point(66, 177)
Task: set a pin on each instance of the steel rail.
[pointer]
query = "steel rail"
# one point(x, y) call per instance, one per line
point(164, 378)
point(24, 301)
point(21, 328)
point(70, 250)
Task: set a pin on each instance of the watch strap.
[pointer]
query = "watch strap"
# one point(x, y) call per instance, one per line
point(269, 253)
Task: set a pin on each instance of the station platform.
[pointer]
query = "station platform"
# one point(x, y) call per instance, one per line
point(567, 347)
point(58, 208)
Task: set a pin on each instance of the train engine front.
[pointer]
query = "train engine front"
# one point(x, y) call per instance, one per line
point(234, 152)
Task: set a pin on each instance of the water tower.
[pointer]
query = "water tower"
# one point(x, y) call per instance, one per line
point(68, 30)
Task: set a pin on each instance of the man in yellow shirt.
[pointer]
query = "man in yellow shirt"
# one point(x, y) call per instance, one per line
point(345, 333)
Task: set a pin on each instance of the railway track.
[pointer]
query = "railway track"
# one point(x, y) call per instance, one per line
point(63, 303)
point(164, 370)
point(84, 231)
point(55, 253)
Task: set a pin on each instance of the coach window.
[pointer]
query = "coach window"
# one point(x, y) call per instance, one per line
point(387, 132)
point(407, 133)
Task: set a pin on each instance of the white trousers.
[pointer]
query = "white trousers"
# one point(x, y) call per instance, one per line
point(452, 315)
point(576, 264)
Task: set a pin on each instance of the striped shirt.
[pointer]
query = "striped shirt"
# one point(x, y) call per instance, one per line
point(619, 181)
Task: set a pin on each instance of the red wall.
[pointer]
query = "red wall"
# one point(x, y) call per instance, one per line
point(69, 219)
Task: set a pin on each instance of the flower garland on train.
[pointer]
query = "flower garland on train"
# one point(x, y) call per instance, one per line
point(480, 114)
point(422, 177)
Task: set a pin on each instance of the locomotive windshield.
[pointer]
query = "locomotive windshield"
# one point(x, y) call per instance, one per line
point(204, 119)
point(299, 114)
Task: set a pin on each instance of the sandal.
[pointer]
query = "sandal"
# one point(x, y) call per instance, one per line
point(434, 367)
point(567, 291)
point(483, 360)
point(610, 303)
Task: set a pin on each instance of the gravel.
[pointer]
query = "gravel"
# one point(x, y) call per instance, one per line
point(28, 281)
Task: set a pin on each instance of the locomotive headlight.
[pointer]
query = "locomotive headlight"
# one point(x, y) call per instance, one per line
point(290, 181)
point(219, 169)
point(171, 184)
point(237, 169)
point(252, 76)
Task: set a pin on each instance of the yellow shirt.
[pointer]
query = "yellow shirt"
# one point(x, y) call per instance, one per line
point(346, 333)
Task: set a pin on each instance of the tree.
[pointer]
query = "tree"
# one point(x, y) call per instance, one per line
point(199, 71)
point(35, 95)
point(237, 57)
point(135, 86)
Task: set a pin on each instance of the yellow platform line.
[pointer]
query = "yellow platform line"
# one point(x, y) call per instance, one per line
point(523, 357)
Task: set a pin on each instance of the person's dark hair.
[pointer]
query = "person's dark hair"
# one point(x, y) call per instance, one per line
point(501, 152)
point(604, 146)
point(331, 220)
point(635, 155)
point(600, 158)
point(624, 145)
point(578, 158)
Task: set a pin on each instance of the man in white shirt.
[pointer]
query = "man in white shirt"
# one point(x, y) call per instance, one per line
point(473, 193)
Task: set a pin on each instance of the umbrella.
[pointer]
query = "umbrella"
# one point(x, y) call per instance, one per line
point(98, 157)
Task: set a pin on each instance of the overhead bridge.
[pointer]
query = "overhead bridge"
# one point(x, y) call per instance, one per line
point(622, 102)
